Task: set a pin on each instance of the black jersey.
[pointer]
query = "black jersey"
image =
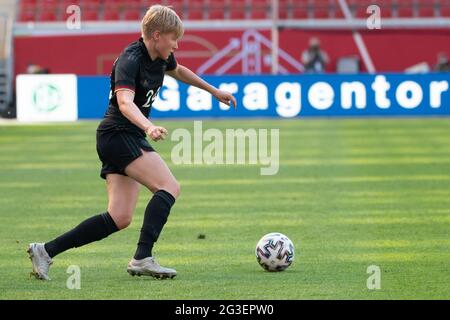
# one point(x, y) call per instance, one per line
point(136, 71)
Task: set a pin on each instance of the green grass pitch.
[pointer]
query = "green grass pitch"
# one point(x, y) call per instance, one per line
point(350, 193)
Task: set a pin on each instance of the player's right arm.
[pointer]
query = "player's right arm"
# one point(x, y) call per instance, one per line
point(129, 109)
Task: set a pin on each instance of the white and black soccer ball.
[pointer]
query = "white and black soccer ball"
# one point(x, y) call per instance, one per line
point(275, 252)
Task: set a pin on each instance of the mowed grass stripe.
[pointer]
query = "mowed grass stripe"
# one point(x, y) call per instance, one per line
point(349, 193)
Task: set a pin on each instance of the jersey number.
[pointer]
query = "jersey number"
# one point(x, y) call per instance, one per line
point(151, 96)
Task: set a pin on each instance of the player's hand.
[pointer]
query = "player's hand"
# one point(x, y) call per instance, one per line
point(156, 133)
point(225, 97)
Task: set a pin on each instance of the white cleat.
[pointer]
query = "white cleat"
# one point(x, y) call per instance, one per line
point(149, 267)
point(40, 259)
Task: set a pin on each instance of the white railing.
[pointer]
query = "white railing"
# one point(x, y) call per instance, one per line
point(94, 27)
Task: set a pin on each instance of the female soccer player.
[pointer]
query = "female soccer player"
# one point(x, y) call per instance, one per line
point(128, 160)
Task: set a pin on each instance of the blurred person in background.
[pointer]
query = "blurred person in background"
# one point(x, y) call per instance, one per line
point(36, 69)
point(314, 58)
point(442, 64)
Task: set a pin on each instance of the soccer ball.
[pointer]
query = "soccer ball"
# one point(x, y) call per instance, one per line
point(275, 252)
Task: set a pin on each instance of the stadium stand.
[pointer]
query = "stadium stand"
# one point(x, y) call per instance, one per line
point(224, 36)
point(105, 10)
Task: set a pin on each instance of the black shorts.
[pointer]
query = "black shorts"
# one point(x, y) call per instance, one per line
point(116, 149)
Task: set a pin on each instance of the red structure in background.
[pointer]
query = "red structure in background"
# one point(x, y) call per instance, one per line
point(390, 50)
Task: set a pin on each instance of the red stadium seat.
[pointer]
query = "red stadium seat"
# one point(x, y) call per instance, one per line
point(337, 13)
point(387, 10)
point(132, 14)
point(195, 9)
point(90, 5)
point(47, 2)
point(234, 9)
point(358, 8)
point(177, 5)
point(216, 13)
point(259, 3)
point(444, 9)
point(445, 12)
point(64, 4)
point(216, 9)
point(172, 3)
point(405, 9)
point(113, 4)
point(89, 15)
point(358, 11)
point(336, 10)
point(284, 8)
point(196, 4)
point(259, 9)
point(48, 5)
point(426, 11)
point(321, 12)
point(283, 13)
point(259, 13)
point(321, 9)
point(237, 13)
point(28, 5)
point(300, 9)
point(26, 16)
point(147, 3)
point(237, 9)
point(135, 4)
point(195, 14)
point(215, 3)
point(47, 16)
point(426, 8)
point(110, 15)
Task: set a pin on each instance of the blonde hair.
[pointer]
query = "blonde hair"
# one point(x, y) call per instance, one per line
point(163, 19)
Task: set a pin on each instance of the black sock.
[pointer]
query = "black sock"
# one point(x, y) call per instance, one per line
point(155, 217)
point(93, 229)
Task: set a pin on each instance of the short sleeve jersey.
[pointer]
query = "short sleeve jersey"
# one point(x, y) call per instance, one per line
point(134, 70)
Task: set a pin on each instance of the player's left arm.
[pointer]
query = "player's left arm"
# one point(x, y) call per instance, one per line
point(185, 75)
